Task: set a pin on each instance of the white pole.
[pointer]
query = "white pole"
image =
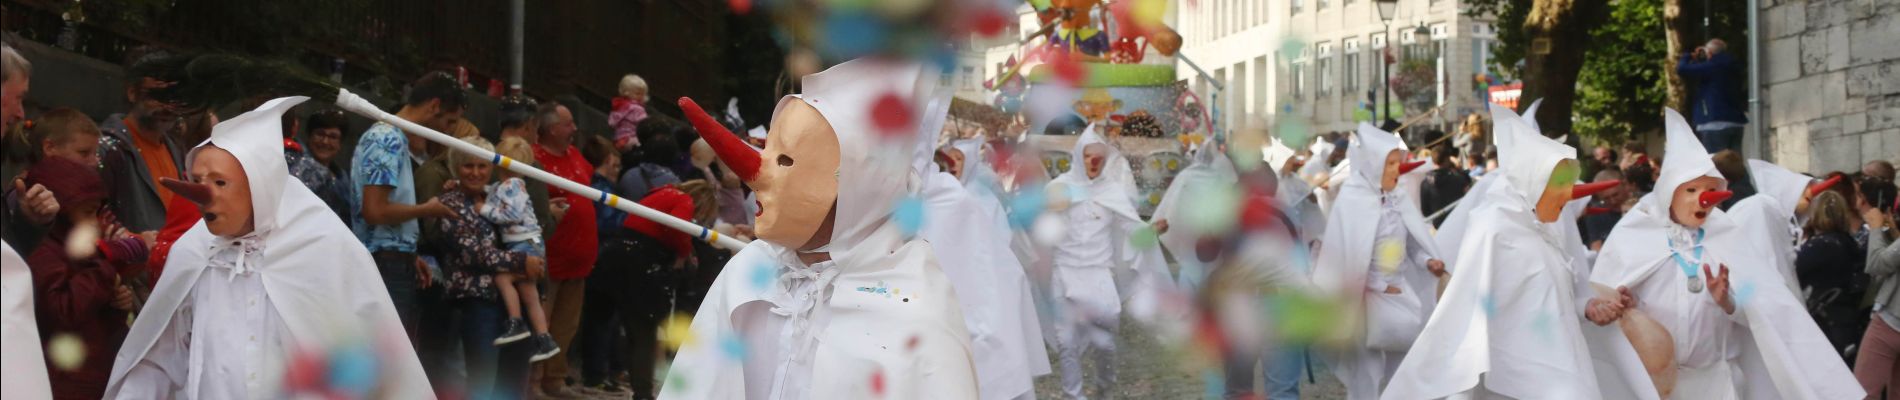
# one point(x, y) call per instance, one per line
point(353, 103)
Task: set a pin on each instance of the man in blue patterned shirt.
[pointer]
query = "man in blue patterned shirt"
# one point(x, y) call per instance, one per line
point(384, 173)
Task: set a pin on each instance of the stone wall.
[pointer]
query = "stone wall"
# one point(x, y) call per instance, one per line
point(1830, 82)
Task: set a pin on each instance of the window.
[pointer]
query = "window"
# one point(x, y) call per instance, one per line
point(1319, 4)
point(1296, 5)
point(969, 77)
point(1299, 80)
point(1352, 61)
point(1324, 58)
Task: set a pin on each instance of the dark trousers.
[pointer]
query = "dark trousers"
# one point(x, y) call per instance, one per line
point(480, 322)
point(638, 271)
point(399, 276)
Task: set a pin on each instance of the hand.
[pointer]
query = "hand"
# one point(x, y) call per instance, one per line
point(1875, 218)
point(1624, 296)
point(1392, 289)
point(150, 238)
point(1718, 288)
point(1603, 312)
point(1436, 266)
point(424, 277)
point(557, 208)
point(451, 184)
point(1161, 226)
point(37, 203)
point(537, 267)
point(435, 208)
point(122, 298)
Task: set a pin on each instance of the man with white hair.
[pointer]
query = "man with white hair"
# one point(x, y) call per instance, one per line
point(25, 369)
point(1714, 108)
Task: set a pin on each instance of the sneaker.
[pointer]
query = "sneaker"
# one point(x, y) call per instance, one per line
point(544, 348)
point(515, 330)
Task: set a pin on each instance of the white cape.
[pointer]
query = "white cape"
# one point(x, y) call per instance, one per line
point(24, 365)
point(1206, 175)
point(1782, 354)
point(1771, 213)
point(317, 275)
point(1139, 273)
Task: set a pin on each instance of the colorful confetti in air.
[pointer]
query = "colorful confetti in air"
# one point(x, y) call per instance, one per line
point(1144, 237)
point(909, 215)
point(354, 370)
point(1387, 255)
point(677, 331)
point(67, 351)
point(733, 347)
point(762, 274)
point(892, 116)
point(1049, 230)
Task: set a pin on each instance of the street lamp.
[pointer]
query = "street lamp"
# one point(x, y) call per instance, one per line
point(1387, 10)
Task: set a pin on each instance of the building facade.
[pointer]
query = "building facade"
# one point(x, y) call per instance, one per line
point(1830, 84)
point(1319, 59)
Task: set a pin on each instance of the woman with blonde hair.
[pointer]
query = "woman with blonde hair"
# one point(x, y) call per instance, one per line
point(1829, 265)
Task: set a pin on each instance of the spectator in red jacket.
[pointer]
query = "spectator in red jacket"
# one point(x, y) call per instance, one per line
point(76, 279)
point(575, 243)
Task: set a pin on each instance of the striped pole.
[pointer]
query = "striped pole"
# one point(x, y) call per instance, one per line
point(353, 103)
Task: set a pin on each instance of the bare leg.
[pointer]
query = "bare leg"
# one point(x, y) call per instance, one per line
point(504, 283)
point(537, 316)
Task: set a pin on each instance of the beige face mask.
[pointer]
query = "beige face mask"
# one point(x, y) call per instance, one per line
point(795, 178)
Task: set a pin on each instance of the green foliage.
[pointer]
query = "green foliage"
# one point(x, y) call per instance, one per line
point(1624, 80)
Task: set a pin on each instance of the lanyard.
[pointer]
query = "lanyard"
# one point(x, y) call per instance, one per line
point(1687, 268)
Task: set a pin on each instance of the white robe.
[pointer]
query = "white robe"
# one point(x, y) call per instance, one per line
point(25, 366)
point(312, 272)
point(1771, 211)
point(1769, 348)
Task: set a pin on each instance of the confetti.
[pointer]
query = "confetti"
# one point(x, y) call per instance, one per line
point(1387, 256)
point(850, 34)
point(305, 372)
point(353, 370)
point(1215, 382)
point(909, 215)
point(1049, 230)
point(67, 351)
point(1292, 129)
point(1489, 304)
point(1211, 208)
point(989, 22)
point(763, 274)
point(891, 115)
point(82, 243)
point(740, 7)
point(677, 331)
point(733, 348)
point(877, 383)
point(1143, 237)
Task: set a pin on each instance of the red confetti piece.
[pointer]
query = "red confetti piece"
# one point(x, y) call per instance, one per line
point(877, 383)
point(740, 6)
point(911, 345)
point(1067, 68)
point(987, 23)
point(305, 372)
point(891, 116)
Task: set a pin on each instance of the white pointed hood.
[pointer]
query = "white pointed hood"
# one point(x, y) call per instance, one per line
point(317, 275)
point(1276, 154)
point(1368, 152)
point(1784, 186)
point(872, 173)
point(1209, 173)
point(1348, 241)
point(1771, 211)
point(1531, 159)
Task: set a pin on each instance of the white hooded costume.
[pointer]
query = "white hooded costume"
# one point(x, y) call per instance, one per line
point(966, 221)
point(23, 363)
point(1208, 171)
point(1096, 266)
point(1771, 214)
point(1383, 227)
point(1511, 318)
point(878, 320)
point(1768, 348)
point(223, 319)
point(1296, 196)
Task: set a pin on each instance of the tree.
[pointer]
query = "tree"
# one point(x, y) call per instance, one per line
point(1623, 83)
point(1559, 32)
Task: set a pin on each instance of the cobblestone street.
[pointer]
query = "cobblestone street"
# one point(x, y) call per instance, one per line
point(1147, 371)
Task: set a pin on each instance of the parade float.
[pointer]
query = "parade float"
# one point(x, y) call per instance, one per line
point(1109, 65)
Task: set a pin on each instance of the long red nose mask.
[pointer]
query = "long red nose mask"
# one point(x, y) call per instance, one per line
point(1595, 210)
point(1407, 167)
point(743, 159)
point(1823, 186)
point(1713, 197)
point(196, 192)
point(1590, 189)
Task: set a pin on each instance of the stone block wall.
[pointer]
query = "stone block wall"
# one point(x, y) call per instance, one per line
point(1830, 83)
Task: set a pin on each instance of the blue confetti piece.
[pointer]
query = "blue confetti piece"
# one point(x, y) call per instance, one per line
point(850, 34)
point(1743, 293)
point(1541, 326)
point(354, 371)
point(1490, 305)
point(734, 348)
point(910, 214)
point(1025, 207)
point(762, 275)
point(1216, 383)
